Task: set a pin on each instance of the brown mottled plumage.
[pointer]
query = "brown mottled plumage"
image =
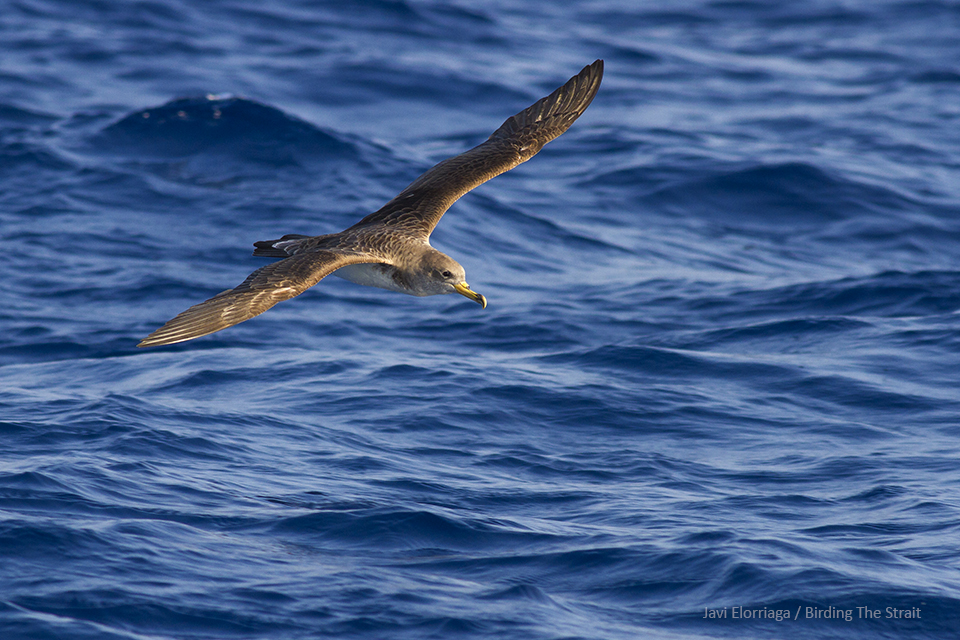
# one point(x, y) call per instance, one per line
point(390, 248)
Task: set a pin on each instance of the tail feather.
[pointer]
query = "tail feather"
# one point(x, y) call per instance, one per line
point(266, 248)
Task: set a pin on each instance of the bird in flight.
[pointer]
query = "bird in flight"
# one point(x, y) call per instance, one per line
point(390, 248)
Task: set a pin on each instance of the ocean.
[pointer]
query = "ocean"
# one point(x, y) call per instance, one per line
point(715, 393)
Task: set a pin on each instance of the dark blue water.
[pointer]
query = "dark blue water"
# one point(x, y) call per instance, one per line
point(716, 393)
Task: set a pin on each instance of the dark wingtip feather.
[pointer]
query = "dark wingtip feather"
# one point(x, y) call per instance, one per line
point(561, 108)
point(197, 321)
point(262, 289)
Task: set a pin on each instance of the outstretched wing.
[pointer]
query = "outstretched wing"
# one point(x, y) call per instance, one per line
point(261, 290)
point(420, 206)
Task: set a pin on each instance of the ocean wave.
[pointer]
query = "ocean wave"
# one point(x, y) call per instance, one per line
point(222, 130)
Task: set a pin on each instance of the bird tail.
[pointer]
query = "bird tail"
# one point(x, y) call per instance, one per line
point(282, 248)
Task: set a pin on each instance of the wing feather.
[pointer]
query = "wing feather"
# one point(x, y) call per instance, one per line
point(262, 289)
point(420, 206)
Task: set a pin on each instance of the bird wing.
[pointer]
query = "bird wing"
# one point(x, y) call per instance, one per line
point(261, 290)
point(420, 206)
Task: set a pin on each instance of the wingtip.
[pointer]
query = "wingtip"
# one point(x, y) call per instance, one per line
point(580, 90)
point(147, 342)
point(595, 68)
point(594, 73)
point(151, 341)
point(178, 330)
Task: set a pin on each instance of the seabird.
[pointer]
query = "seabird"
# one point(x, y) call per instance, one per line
point(390, 248)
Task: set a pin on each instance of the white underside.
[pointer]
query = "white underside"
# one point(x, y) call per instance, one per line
point(371, 275)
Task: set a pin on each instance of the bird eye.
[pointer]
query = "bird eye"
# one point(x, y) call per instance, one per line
point(446, 274)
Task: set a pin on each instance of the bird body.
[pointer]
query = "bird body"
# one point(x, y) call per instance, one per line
point(390, 248)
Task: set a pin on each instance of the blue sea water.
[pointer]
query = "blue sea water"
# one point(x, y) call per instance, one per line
point(716, 393)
